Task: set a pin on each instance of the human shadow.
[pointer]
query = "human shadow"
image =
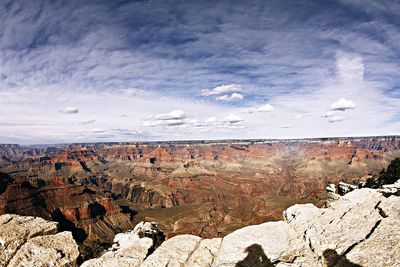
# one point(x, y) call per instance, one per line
point(334, 259)
point(255, 258)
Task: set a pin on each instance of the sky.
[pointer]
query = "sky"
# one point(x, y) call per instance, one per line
point(101, 71)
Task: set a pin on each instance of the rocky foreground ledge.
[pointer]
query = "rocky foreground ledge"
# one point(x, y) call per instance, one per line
point(361, 228)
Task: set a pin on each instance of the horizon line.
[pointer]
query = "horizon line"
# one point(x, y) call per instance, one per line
point(210, 140)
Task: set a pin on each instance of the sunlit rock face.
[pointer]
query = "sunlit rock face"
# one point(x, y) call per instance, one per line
point(130, 248)
point(360, 228)
point(202, 188)
point(32, 241)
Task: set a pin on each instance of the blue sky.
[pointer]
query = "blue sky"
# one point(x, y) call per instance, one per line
point(93, 71)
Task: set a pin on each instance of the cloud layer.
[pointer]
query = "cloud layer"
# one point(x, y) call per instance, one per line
point(132, 70)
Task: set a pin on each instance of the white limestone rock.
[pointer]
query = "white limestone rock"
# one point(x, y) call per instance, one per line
point(204, 255)
point(130, 248)
point(381, 248)
point(361, 227)
point(265, 243)
point(49, 250)
point(16, 230)
point(173, 252)
point(345, 188)
point(348, 222)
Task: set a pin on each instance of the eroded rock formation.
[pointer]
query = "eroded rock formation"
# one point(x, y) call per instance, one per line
point(205, 188)
point(361, 228)
point(33, 241)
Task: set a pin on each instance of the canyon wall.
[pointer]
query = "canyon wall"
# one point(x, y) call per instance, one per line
point(361, 228)
point(206, 188)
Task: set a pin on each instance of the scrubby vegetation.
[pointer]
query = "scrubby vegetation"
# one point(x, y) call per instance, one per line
point(92, 249)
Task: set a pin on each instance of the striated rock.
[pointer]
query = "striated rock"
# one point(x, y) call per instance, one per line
point(208, 187)
point(32, 241)
point(361, 228)
point(191, 169)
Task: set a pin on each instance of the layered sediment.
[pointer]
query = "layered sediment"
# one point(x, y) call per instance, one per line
point(205, 188)
point(358, 229)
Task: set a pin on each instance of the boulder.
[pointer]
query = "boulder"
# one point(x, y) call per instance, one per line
point(380, 248)
point(174, 252)
point(33, 241)
point(16, 230)
point(345, 188)
point(205, 253)
point(131, 248)
point(260, 244)
point(49, 250)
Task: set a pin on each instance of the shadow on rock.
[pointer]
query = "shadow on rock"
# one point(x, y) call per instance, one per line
point(65, 225)
point(255, 258)
point(128, 210)
point(5, 180)
point(334, 259)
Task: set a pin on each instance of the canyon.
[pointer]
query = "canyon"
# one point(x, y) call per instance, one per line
point(359, 228)
point(204, 188)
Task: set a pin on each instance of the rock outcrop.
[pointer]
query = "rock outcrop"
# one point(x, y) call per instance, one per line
point(361, 228)
point(131, 248)
point(203, 188)
point(33, 241)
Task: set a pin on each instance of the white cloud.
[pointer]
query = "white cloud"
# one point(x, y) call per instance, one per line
point(70, 110)
point(173, 118)
point(172, 122)
point(232, 97)
point(343, 104)
point(221, 89)
point(211, 120)
point(329, 114)
point(87, 122)
point(136, 92)
point(263, 108)
point(336, 118)
point(49, 62)
point(233, 119)
point(298, 116)
point(350, 67)
point(173, 115)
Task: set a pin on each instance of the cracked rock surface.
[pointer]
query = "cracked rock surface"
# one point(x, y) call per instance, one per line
point(33, 241)
point(361, 228)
